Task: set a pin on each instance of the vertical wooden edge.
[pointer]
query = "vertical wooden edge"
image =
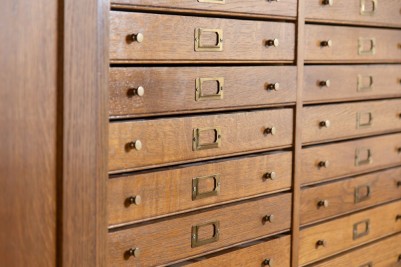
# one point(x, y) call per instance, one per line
point(298, 135)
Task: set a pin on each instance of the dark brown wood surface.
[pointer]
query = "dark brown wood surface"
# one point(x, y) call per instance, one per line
point(172, 237)
point(242, 40)
point(170, 90)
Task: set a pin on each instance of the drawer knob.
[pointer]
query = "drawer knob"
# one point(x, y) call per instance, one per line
point(271, 130)
point(399, 258)
point(273, 42)
point(136, 145)
point(399, 184)
point(398, 218)
point(140, 91)
point(325, 124)
point(321, 243)
point(328, 2)
point(327, 43)
point(273, 86)
point(325, 83)
point(271, 175)
point(273, 0)
point(323, 203)
point(399, 150)
point(268, 262)
point(137, 37)
point(324, 164)
point(269, 218)
point(135, 252)
point(137, 200)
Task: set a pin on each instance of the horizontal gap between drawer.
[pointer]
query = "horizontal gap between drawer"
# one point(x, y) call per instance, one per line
point(351, 100)
point(220, 64)
point(198, 62)
point(351, 24)
point(351, 62)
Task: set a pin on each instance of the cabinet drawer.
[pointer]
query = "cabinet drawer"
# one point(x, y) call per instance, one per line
point(194, 186)
point(332, 199)
point(330, 122)
point(339, 83)
point(321, 163)
point(199, 232)
point(263, 253)
point(185, 38)
point(385, 253)
point(143, 144)
point(332, 237)
point(367, 12)
point(195, 89)
point(287, 8)
point(351, 44)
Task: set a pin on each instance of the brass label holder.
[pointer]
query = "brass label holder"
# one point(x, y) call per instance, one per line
point(197, 194)
point(364, 11)
point(218, 47)
point(359, 196)
point(359, 161)
point(213, 1)
point(361, 87)
point(197, 142)
point(359, 118)
point(199, 92)
point(195, 239)
point(361, 49)
point(366, 229)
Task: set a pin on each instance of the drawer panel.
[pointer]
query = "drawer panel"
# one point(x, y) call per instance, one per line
point(385, 253)
point(340, 83)
point(330, 122)
point(351, 44)
point(332, 199)
point(199, 232)
point(194, 186)
point(286, 8)
point(367, 12)
point(185, 38)
point(275, 252)
point(326, 162)
point(176, 140)
point(195, 89)
point(332, 237)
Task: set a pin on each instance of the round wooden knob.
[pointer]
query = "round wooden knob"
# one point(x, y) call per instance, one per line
point(325, 83)
point(137, 200)
point(271, 130)
point(140, 91)
point(324, 164)
point(398, 217)
point(399, 258)
point(271, 175)
point(399, 150)
point(328, 2)
point(273, 86)
point(327, 43)
point(138, 37)
point(325, 124)
point(268, 262)
point(323, 203)
point(269, 218)
point(273, 42)
point(399, 184)
point(321, 243)
point(135, 252)
point(136, 144)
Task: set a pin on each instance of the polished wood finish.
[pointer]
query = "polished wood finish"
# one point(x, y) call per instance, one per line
point(358, 82)
point(340, 235)
point(350, 120)
point(241, 40)
point(172, 238)
point(170, 141)
point(347, 42)
point(342, 157)
point(170, 191)
point(170, 90)
point(349, 195)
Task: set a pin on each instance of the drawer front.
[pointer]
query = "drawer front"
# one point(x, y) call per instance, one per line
point(332, 199)
point(184, 38)
point(177, 140)
point(329, 238)
point(326, 162)
point(330, 122)
point(199, 232)
point(286, 8)
point(195, 89)
point(386, 253)
point(351, 44)
point(339, 83)
point(368, 12)
point(275, 252)
point(194, 186)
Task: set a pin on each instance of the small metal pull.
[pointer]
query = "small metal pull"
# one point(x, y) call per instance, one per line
point(270, 175)
point(197, 183)
point(137, 37)
point(133, 252)
point(328, 2)
point(196, 241)
point(323, 203)
point(363, 88)
point(199, 90)
point(271, 130)
point(269, 218)
point(268, 262)
point(327, 43)
point(325, 124)
point(359, 160)
point(273, 86)
point(136, 200)
point(217, 47)
point(273, 42)
point(213, 1)
point(140, 91)
point(362, 193)
point(361, 48)
point(360, 119)
point(321, 243)
point(364, 11)
point(325, 83)
point(324, 164)
point(365, 231)
point(137, 145)
point(197, 142)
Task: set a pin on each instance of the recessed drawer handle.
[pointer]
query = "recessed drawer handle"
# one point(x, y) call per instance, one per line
point(360, 160)
point(197, 241)
point(200, 92)
point(369, 264)
point(197, 135)
point(371, 12)
point(365, 230)
point(362, 193)
point(361, 46)
point(198, 193)
point(361, 86)
point(362, 122)
point(216, 47)
point(213, 1)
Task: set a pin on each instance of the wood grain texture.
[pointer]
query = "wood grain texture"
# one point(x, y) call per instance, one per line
point(28, 104)
point(243, 40)
point(170, 90)
point(349, 120)
point(384, 253)
point(238, 223)
point(170, 190)
point(345, 44)
point(169, 141)
point(377, 81)
point(387, 13)
point(350, 195)
point(341, 157)
point(339, 233)
point(285, 8)
point(277, 251)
